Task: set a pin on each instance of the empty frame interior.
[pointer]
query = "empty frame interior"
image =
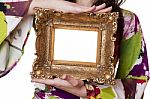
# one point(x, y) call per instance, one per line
point(78, 46)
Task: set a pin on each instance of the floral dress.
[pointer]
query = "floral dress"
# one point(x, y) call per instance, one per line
point(132, 73)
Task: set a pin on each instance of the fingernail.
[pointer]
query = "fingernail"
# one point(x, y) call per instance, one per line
point(32, 80)
point(93, 6)
point(104, 4)
point(63, 76)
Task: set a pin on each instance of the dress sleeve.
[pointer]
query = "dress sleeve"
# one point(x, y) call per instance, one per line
point(133, 71)
point(14, 31)
point(11, 13)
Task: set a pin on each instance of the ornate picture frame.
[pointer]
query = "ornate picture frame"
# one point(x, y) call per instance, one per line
point(45, 66)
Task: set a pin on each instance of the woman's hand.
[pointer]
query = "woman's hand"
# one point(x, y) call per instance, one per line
point(66, 7)
point(66, 83)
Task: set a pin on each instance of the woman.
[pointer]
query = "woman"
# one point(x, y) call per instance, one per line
point(132, 74)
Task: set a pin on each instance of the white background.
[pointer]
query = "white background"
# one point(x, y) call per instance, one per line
point(17, 85)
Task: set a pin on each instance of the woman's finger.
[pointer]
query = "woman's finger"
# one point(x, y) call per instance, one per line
point(74, 82)
point(100, 7)
point(44, 81)
point(80, 9)
point(89, 9)
point(109, 9)
point(71, 80)
point(57, 82)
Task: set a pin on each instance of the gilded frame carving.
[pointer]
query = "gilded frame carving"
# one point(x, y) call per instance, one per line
point(45, 23)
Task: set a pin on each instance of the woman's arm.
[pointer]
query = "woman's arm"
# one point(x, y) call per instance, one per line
point(12, 39)
point(66, 7)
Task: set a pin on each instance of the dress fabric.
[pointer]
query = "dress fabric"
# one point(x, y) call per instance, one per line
point(132, 73)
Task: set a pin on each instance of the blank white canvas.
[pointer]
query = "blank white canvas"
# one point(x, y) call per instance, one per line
point(75, 45)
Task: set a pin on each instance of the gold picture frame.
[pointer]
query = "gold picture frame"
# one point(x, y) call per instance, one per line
point(45, 23)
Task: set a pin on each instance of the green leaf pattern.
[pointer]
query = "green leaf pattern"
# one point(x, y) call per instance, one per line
point(129, 53)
